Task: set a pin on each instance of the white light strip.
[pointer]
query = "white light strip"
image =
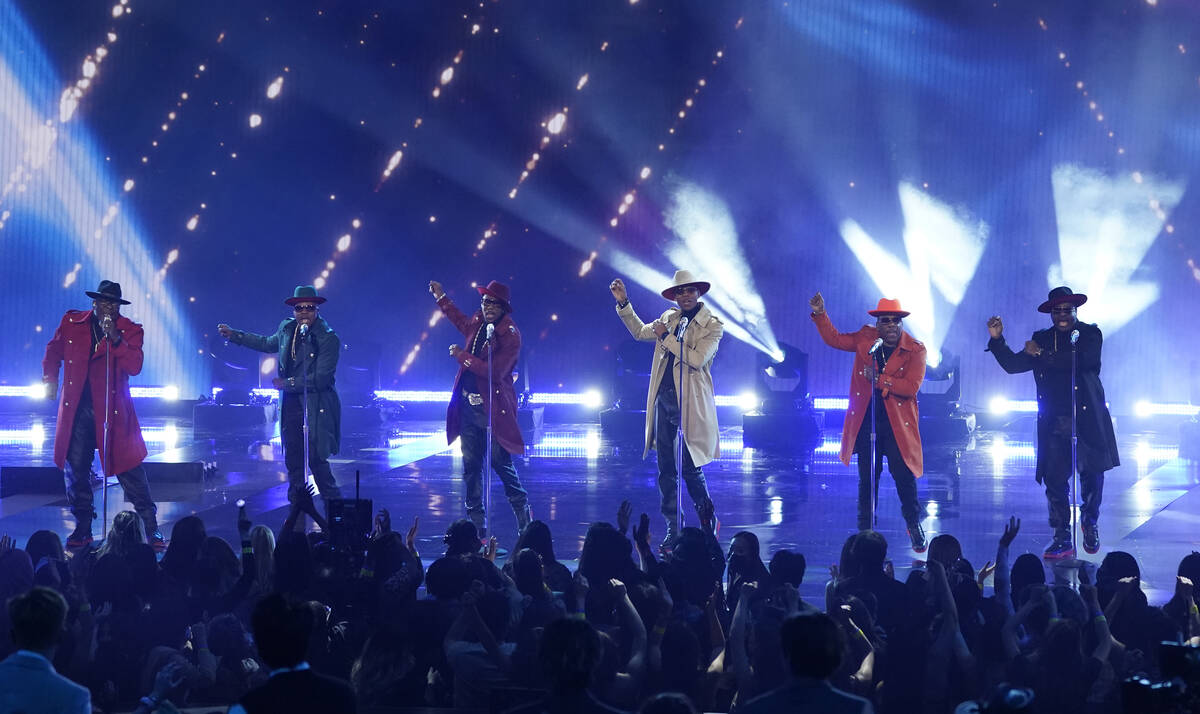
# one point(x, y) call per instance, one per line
point(33, 391)
point(831, 403)
point(169, 392)
point(396, 395)
point(1145, 408)
point(1004, 405)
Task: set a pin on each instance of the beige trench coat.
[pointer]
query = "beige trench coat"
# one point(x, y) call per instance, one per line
point(700, 346)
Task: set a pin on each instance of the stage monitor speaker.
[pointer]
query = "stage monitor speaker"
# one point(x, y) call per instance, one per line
point(531, 421)
point(174, 472)
point(793, 432)
point(30, 480)
point(350, 522)
point(624, 427)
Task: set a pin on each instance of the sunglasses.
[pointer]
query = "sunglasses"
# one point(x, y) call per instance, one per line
point(889, 320)
point(305, 308)
point(685, 291)
point(489, 302)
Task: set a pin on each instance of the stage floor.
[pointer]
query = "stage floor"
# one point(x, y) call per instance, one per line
point(576, 476)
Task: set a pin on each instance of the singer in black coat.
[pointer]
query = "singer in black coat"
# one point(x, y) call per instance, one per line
point(314, 355)
point(1097, 444)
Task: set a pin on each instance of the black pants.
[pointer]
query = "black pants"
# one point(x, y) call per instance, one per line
point(291, 433)
point(80, 453)
point(666, 423)
point(473, 441)
point(1054, 452)
point(885, 445)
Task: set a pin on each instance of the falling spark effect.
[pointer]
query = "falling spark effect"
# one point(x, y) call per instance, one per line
point(41, 142)
point(255, 121)
point(192, 222)
point(646, 171)
point(275, 87)
point(392, 164)
point(70, 278)
point(1094, 107)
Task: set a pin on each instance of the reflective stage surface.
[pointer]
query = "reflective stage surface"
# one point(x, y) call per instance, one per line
point(576, 476)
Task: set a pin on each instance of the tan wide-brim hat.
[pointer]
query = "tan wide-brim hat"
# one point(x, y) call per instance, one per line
point(684, 279)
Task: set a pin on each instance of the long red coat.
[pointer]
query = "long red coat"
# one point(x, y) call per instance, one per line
point(899, 383)
point(71, 349)
point(506, 344)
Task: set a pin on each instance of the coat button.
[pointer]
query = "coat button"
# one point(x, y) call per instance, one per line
point(503, 411)
point(70, 342)
point(66, 404)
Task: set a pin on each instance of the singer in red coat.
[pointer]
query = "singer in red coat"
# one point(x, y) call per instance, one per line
point(471, 400)
point(888, 356)
point(85, 343)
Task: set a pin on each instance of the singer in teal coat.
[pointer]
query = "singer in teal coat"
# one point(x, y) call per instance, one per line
point(293, 367)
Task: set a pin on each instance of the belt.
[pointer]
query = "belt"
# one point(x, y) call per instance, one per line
point(475, 400)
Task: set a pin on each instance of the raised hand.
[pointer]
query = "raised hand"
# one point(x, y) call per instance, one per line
point(995, 326)
point(617, 288)
point(618, 588)
point(817, 304)
point(1010, 531)
point(1032, 348)
point(985, 572)
point(641, 534)
point(489, 551)
point(435, 289)
point(624, 513)
point(411, 539)
point(225, 330)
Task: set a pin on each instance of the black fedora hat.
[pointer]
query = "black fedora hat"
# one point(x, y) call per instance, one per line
point(304, 293)
point(108, 290)
point(1060, 295)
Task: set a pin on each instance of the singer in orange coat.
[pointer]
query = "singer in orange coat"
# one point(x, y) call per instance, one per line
point(899, 363)
point(85, 345)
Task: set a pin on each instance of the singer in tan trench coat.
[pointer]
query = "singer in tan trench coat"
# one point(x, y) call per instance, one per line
point(701, 338)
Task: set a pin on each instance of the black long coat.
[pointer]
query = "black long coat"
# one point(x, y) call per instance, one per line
point(1052, 373)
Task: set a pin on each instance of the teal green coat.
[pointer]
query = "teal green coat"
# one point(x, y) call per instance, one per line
point(324, 407)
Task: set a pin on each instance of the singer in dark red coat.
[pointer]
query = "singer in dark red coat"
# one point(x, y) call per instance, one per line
point(471, 400)
point(83, 346)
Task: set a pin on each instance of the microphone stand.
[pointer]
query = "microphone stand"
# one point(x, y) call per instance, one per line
point(876, 469)
point(304, 502)
point(1075, 504)
point(487, 449)
point(679, 432)
point(105, 452)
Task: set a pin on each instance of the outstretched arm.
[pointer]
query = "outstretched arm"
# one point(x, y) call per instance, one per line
point(261, 343)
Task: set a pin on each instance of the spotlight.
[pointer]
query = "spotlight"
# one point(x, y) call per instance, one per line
point(592, 399)
point(785, 421)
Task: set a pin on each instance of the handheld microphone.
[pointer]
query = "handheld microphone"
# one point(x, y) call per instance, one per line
point(683, 325)
point(304, 330)
point(876, 346)
point(491, 330)
point(1074, 336)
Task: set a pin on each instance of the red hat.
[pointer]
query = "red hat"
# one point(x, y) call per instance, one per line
point(1061, 295)
point(888, 306)
point(498, 291)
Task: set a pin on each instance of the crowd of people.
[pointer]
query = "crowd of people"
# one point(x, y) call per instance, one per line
point(290, 623)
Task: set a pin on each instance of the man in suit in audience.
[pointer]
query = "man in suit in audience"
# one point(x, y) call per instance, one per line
point(28, 682)
point(281, 631)
point(812, 646)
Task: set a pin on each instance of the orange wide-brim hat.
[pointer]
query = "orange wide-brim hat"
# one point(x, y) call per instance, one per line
point(888, 306)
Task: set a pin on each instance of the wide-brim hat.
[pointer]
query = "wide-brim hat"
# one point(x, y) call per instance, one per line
point(888, 306)
point(497, 290)
point(304, 293)
point(108, 290)
point(1062, 294)
point(684, 279)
